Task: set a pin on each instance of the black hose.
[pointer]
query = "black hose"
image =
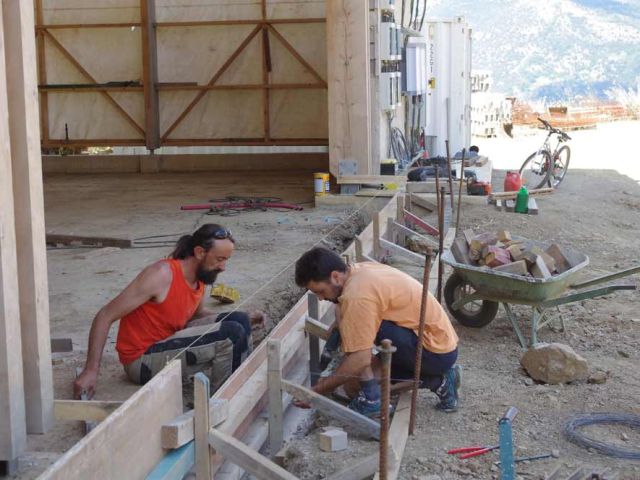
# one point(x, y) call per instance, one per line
point(577, 437)
point(399, 147)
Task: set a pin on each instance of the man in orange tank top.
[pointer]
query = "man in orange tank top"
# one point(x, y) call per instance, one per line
point(374, 302)
point(158, 312)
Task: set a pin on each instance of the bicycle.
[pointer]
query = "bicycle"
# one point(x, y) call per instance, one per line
point(536, 169)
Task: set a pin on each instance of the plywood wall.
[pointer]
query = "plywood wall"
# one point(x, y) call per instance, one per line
point(228, 72)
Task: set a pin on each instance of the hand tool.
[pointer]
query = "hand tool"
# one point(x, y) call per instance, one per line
point(472, 451)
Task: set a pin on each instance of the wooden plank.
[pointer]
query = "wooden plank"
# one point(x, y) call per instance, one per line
point(131, 434)
point(54, 239)
point(372, 179)
point(59, 345)
point(513, 195)
point(203, 453)
point(13, 438)
point(422, 203)
point(401, 252)
point(20, 56)
point(333, 409)
point(84, 410)
point(150, 74)
point(250, 460)
point(42, 74)
point(418, 222)
point(276, 408)
point(317, 329)
point(179, 431)
point(348, 78)
point(398, 433)
point(428, 186)
point(358, 469)
point(176, 464)
point(407, 231)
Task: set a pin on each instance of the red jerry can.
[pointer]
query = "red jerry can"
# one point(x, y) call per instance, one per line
point(512, 182)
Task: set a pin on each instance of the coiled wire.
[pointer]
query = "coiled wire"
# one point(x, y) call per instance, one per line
point(571, 430)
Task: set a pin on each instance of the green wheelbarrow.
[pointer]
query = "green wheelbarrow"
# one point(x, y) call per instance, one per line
point(473, 294)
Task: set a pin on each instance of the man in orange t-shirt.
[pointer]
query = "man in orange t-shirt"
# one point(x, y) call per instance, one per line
point(157, 312)
point(375, 302)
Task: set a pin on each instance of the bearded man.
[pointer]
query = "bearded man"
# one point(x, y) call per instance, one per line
point(162, 316)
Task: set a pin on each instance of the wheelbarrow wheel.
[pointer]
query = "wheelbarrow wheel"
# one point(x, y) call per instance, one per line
point(474, 314)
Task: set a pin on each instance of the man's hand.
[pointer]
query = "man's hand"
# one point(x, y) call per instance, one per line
point(85, 383)
point(258, 318)
point(301, 404)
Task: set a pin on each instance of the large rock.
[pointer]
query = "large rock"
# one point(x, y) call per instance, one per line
point(554, 363)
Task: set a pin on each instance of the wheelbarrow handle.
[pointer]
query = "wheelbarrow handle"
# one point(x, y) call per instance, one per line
point(606, 278)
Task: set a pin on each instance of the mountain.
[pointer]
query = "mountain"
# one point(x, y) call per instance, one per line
point(552, 49)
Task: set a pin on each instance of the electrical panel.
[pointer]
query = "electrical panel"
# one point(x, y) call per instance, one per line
point(390, 90)
point(390, 41)
point(415, 66)
point(387, 4)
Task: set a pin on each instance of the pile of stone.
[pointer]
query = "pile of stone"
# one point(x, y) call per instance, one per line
point(500, 252)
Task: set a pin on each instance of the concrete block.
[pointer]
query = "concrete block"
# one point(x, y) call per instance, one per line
point(333, 440)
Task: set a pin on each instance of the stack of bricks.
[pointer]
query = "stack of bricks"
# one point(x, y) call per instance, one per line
point(501, 253)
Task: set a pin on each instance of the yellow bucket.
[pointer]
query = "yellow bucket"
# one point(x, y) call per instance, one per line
point(321, 184)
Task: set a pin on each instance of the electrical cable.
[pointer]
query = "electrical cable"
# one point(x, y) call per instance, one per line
point(399, 147)
point(571, 430)
point(424, 12)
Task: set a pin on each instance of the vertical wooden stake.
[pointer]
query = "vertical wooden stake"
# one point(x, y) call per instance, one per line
point(201, 425)
point(358, 248)
point(377, 253)
point(150, 74)
point(274, 384)
point(314, 343)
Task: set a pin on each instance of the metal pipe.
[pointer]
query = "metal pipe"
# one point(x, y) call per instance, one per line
point(460, 190)
point(387, 350)
point(437, 170)
point(418, 364)
point(446, 144)
point(440, 244)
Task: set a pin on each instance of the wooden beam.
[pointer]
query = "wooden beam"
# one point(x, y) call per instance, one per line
point(334, 410)
point(73, 26)
point(42, 74)
point(130, 435)
point(21, 59)
point(422, 203)
point(13, 435)
point(373, 179)
point(276, 407)
point(391, 225)
point(89, 77)
point(214, 23)
point(348, 79)
point(150, 74)
point(317, 329)
point(248, 86)
point(401, 252)
point(55, 238)
point(201, 426)
point(250, 460)
point(398, 433)
point(84, 410)
point(418, 222)
point(213, 80)
point(180, 431)
point(358, 469)
point(297, 56)
point(175, 465)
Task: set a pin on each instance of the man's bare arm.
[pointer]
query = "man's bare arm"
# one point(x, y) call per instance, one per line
point(351, 366)
point(151, 283)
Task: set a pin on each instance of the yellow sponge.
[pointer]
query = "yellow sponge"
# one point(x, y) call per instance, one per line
point(225, 294)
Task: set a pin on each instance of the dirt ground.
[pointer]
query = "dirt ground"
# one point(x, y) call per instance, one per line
point(594, 211)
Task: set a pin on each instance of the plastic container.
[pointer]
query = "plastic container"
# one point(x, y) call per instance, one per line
point(512, 182)
point(522, 200)
point(321, 185)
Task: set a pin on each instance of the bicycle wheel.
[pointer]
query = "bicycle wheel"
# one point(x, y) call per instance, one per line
point(560, 166)
point(534, 172)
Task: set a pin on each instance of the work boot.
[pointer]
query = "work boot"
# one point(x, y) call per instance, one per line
point(448, 390)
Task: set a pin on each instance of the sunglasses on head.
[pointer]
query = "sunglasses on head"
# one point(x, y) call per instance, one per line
point(222, 234)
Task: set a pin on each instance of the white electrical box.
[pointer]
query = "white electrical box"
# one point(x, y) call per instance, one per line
point(387, 4)
point(390, 90)
point(415, 79)
point(390, 41)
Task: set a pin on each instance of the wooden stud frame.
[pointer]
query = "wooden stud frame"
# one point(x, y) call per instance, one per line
point(150, 134)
